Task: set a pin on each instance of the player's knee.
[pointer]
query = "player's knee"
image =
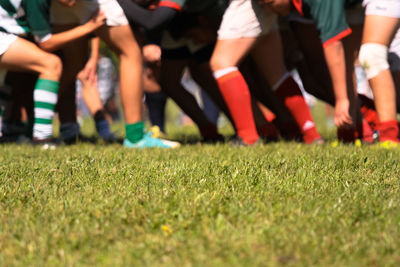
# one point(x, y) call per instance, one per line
point(53, 66)
point(374, 59)
point(129, 51)
point(220, 62)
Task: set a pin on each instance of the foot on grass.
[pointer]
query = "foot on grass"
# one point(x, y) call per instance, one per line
point(45, 144)
point(148, 142)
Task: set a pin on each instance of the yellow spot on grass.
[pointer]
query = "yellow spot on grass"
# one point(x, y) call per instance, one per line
point(166, 229)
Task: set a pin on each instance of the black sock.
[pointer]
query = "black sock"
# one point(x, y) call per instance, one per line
point(102, 125)
point(99, 115)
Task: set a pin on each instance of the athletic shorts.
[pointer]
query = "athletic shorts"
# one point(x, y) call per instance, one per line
point(83, 10)
point(246, 19)
point(6, 40)
point(385, 8)
point(184, 48)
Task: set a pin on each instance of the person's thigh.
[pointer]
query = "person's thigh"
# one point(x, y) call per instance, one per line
point(123, 42)
point(243, 22)
point(380, 29)
point(6, 40)
point(268, 55)
point(120, 39)
point(230, 52)
point(23, 55)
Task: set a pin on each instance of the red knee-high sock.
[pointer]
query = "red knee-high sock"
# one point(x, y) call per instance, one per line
point(237, 96)
point(289, 92)
point(368, 111)
point(367, 132)
point(388, 131)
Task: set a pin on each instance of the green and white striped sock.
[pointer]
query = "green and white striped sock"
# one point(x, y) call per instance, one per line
point(45, 98)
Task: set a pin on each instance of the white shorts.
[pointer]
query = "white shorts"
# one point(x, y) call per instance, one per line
point(6, 40)
point(246, 19)
point(385, 8)
point(83, 10)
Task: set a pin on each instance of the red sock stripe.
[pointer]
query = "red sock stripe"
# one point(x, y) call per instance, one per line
point(290, 93)
point(237, 96)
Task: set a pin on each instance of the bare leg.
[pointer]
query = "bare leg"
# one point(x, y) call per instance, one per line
point(380, 30)
point(224, 61)
point(32, 59)
point(25, 55)
point(122, 41)
point(237, 49)
point(268, 55)
point(90, 94)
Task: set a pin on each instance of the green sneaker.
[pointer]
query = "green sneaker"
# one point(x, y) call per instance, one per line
point(148, 141)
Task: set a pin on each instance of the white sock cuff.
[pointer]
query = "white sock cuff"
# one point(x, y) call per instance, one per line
point(281, 80)
point(222, 72)
point(42, 131)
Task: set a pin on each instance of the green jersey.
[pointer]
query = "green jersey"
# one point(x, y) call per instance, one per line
point(21, 17)
point(329, 16)
point(209, 7)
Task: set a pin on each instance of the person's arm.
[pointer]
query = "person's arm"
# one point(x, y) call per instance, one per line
point(56, 41)
point(329, 16)
point(335, 59)
point(95, 49)
point(90, 69)
point(38, 18)
point(150, 20)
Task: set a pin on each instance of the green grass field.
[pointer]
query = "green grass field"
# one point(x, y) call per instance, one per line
point(276, 204)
